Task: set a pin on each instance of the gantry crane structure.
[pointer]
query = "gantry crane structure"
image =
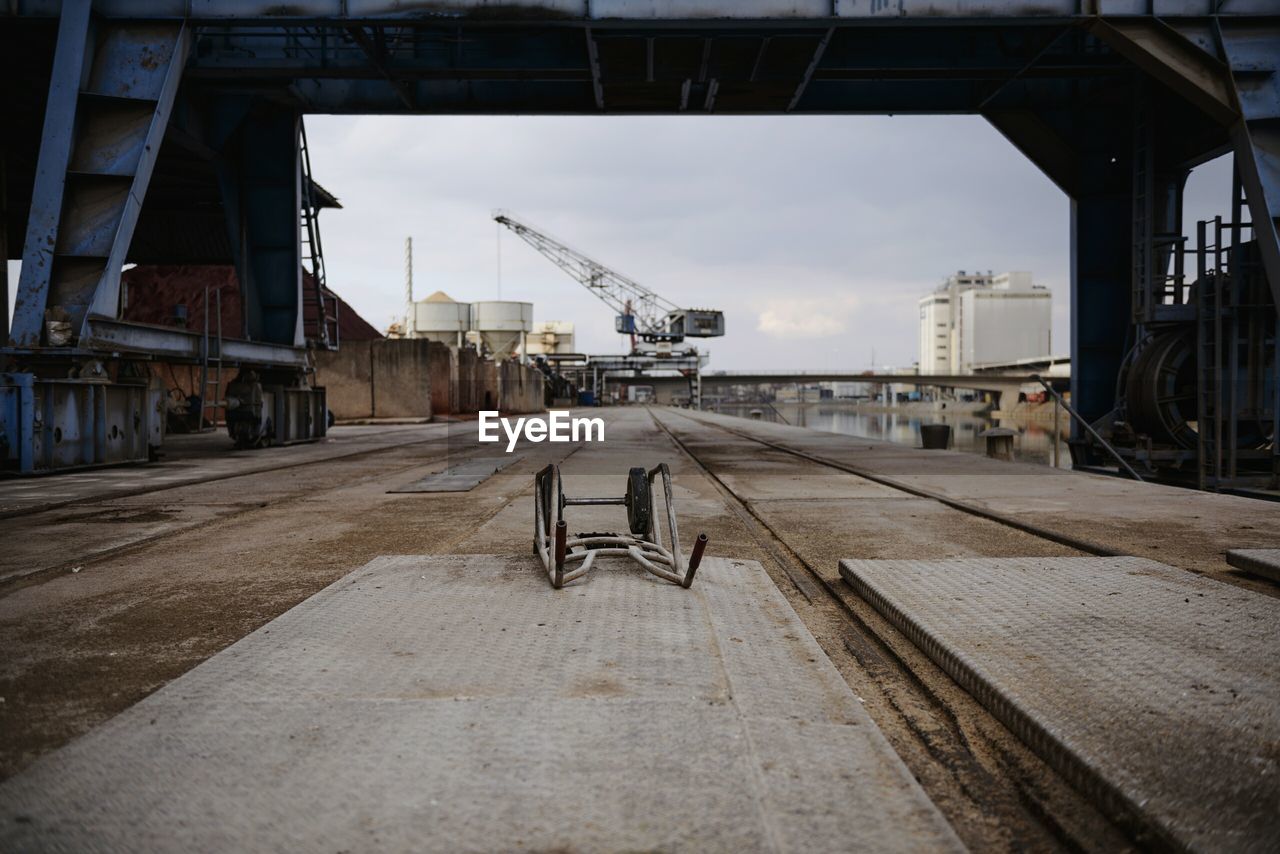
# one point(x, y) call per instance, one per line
point(1173, 341)
point(641, 313)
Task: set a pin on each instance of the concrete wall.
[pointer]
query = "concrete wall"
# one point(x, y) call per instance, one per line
point(468, 392)
point(520, 388)
point(347, 377)
point(440, 374)
point(387, 378)
point(401, 378)
point(414, 377)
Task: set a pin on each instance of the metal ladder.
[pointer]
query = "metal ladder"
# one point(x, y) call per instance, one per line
point(312, 250)
point(1209, 353)
point(1143, 237)
point(206, 360)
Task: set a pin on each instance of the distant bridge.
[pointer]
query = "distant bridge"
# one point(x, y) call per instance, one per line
point(996, 383)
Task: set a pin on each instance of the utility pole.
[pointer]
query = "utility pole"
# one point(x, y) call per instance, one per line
point(408, 285)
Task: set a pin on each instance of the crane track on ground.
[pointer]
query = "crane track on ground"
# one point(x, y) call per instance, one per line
point(1061, 539)
point(14, 583)
point(197, 481)
point(990, 770)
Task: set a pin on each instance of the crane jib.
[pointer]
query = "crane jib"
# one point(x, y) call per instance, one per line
point(639, 311)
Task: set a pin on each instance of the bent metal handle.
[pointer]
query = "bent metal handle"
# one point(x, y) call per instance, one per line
point(699, 546)
point(566, 558)
point(562, 535)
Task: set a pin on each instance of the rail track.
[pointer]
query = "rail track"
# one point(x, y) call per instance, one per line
point(996, 792)
point(281, 465)
point(13, 582)
point(1077, 543)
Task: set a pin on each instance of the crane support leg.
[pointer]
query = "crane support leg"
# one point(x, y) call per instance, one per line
point(102, 134)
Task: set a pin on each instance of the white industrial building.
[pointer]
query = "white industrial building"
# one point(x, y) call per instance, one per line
point(975, 319)
point(550, 337)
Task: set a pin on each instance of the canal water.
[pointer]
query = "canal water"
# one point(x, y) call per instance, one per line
point(1033, 441)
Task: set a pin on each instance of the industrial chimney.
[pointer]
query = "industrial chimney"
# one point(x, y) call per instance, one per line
point(408, 287)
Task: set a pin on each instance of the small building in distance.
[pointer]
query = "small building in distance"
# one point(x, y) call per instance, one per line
point(973, 319)
point(550, 337)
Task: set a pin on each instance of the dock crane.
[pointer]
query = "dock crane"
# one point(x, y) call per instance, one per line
point(641, 313)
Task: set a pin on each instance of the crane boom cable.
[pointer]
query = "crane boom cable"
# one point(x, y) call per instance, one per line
point(621, 293)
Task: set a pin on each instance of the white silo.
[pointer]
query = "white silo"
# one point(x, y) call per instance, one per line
point(502, 326)
point(440, 318)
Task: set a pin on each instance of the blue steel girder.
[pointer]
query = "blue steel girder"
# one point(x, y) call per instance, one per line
point(110, 97)
point(1088, 153)
point(490, 68)
point(260, 175)
point(1230, 69)
point(1057, 77)
point(273, 195)
point(1253, 54)
point(653, 10)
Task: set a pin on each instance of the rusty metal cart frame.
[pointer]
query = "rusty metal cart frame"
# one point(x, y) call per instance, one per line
point(643, 544)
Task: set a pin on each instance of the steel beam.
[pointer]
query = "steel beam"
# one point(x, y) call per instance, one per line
point(4, 249)
point(377, 55)
point(51, 173)
point(1233, 76)
point(1257, 149)
point(1042, 144)
point(1175, 61)
point(108, 106)
point(1253, 54)
point(1100, 271)
point(810, 69)
point(147, 139)
point(655, 10)
point(109, 334)
point(263, 183)
point(593, 60)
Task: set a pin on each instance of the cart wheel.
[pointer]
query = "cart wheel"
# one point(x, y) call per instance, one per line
point(638, 501)
point(552, 512)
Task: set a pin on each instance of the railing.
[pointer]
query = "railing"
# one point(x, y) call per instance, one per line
point(1088, 427)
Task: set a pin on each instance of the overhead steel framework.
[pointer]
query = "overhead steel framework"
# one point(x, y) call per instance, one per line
point(1115, 100)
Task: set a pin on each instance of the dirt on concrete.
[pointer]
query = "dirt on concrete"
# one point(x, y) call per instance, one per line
point(83, 645)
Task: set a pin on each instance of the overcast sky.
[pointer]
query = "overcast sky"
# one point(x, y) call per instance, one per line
point(815, 235)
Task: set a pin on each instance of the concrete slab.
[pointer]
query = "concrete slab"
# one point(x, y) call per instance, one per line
point(1264, 562)
point(459, 704)
point(460, 477)
point(1154, 690)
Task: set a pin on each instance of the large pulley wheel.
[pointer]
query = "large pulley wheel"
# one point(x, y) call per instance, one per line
point(1160, 389)
point(638, 501)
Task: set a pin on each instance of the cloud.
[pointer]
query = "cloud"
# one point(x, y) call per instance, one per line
point(865, 213)
point(802, 229)
point(805, 318)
